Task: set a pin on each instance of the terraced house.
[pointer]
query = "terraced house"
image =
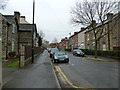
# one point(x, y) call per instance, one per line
point(16, 31)
point(10, 28)
point(110, 39)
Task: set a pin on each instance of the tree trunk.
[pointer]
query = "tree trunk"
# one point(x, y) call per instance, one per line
point(108, 37)
point(96, 54)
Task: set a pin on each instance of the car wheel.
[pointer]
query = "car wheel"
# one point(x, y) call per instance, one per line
point(54, 61)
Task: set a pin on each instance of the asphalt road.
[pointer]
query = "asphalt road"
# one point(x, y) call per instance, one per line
point(37, 75)
point(90, 74)
point(80, 72)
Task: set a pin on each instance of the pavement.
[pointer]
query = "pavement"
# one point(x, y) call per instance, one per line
point(102, 59)
point(37, 75)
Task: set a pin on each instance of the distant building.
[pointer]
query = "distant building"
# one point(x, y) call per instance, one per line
point(74, 40)
point(64, 44)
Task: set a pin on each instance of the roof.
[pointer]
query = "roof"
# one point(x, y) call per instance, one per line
point(9, 18)
point(105, 21)
point(5, 19)
point(27, 27)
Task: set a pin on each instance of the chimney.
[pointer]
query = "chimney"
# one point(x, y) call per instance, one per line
point(82, 28)
point(94, 23)
point(17, 15)
point(23, 17)
point(109, 16)
point(75, 33)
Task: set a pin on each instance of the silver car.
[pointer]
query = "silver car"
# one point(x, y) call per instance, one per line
point(60, 57)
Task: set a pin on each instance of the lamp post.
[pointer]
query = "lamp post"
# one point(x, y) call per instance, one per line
point(0, 54)
point(33, 32)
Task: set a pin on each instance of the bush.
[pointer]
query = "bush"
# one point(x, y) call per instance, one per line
point(12, 53)
point(114, 53)
point(68, 49)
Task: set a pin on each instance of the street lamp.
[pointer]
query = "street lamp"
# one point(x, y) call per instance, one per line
point(33, 32)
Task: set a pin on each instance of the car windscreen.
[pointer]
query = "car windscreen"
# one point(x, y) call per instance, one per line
point(78, 51)
point(54, 50)
point(60, 53)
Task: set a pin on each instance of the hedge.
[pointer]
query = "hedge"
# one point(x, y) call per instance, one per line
point(114, 53)
point(68, 49)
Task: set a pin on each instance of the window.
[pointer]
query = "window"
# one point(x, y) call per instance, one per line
point(87, 36)
point(93, 43)
point(104, 47)
point(13, 43)
point(104, 32)
point(13, 31)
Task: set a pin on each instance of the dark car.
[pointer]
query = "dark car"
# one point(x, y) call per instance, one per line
point(78, 52)
point(52, 51)
point(60, 57)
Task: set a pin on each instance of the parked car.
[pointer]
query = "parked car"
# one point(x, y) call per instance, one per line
point(49, 49)
point(52, 51)
point(60, 57)
point(78, 52)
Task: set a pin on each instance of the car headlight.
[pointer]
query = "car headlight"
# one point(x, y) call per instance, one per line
point(66, 56)
point(55, 57)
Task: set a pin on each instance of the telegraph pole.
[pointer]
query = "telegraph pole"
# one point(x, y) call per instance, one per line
point(33, 32)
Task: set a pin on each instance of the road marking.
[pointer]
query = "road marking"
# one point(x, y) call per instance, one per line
point(58, 84)
point(58, 69)
point(73, 64)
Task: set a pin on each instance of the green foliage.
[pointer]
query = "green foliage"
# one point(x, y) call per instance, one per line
point(14, 64)
point(12, 53)
point(68, 49)
point(114, 53)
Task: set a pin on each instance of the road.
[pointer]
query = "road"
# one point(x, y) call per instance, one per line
point(90, 74)
point(77, 73)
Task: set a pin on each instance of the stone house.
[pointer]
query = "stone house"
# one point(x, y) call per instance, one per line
point(16, 31)
point(110, 39)
point(64, 44)
point(25, 32)
point(10, 28)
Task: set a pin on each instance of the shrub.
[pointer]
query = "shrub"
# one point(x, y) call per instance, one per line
point(12, 53)
point(114, 53)
point(68, 49)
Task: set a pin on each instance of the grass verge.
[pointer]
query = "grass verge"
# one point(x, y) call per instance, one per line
point(13, 64)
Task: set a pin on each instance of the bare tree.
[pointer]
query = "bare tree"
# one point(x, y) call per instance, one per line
point(87, 13)
point(42, 35)
point(55, 40)
point(3, 4)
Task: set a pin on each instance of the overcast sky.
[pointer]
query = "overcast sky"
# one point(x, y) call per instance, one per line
point(51, 16)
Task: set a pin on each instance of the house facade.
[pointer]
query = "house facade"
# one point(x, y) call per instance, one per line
point(26, 31)
point(64, 44)
point(74, 40)
point(110, 39)
point(9, 34)
point(15, 32)
point(81, 38)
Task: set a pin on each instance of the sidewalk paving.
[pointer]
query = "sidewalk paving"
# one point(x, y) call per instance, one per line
point(102, 59)
point(37, 75)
